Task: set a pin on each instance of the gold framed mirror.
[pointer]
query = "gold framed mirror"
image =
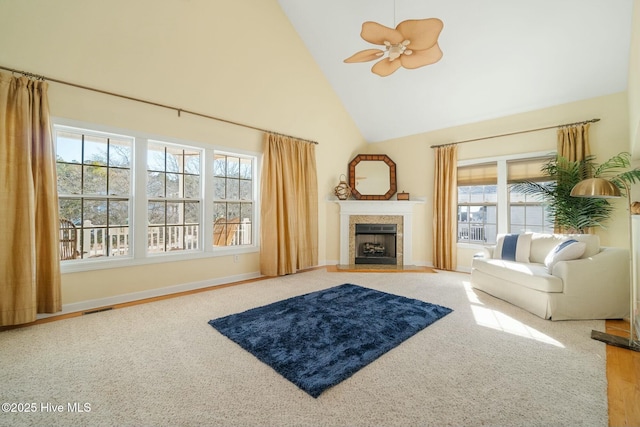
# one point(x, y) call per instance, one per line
point(372, 177)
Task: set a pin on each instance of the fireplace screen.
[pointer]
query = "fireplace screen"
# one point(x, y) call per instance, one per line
point(375, 244)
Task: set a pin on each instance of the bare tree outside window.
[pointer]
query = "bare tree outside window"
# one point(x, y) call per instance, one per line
point(174, 197)
point(98, 207)
point(233, 200)
point(94, 190)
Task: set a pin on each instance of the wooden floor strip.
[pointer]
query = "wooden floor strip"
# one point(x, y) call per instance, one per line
point(623, 378)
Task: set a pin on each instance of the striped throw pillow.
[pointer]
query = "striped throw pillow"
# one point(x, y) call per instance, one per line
point(513, 247)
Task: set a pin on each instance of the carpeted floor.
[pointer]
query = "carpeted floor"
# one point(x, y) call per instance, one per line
point(161, 364)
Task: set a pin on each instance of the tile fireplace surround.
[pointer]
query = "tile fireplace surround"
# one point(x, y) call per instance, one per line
point(354, 212)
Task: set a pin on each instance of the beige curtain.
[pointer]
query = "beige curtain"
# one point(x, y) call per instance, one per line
point(445, 207)
point(573, 142)
point(289, 206)
point(29, 252)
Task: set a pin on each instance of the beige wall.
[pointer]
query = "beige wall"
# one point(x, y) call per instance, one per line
point(238, 60)
point(414, 157)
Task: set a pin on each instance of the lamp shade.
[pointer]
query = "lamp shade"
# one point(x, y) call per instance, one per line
point(597, 188)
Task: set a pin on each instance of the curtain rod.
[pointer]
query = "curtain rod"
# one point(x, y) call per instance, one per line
point(516, 133)
point(179, 110)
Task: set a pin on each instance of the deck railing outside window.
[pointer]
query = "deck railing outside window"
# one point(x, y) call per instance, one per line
point(471, 233)
point(100, 241)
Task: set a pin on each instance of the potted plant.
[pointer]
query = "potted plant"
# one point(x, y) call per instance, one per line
point(578, 214)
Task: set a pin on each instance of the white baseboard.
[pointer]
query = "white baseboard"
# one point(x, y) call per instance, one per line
point(151, 293)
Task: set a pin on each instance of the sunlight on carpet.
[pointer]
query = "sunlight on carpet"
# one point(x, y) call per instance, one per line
point(499, 321)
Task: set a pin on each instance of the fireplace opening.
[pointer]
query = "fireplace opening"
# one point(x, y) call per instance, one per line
point(375, 244)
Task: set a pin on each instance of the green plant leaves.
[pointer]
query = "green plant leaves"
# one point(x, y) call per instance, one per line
point(577, 214)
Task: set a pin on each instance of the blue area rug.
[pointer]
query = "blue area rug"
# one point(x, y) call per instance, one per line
point(320, 339)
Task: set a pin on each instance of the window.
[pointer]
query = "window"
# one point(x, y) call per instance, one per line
point(233, 205)
point(174, 197)
point(131, 197)
point(489, 205)
point(94, 190)
point(477, 201)
point(526, 213)
point(477, 213)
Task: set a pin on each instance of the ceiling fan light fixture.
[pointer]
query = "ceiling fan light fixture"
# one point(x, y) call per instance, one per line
point(395, 51)
point(422, 34)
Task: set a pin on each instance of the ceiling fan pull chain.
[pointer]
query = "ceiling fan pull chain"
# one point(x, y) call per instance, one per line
point(394, 14)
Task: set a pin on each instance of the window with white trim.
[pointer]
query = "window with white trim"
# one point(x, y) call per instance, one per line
point(488, 205)
point(233, 204)
point(134, 197)
point(94, 191)
point(527, 213)
point(174, 197)
point(477, 203)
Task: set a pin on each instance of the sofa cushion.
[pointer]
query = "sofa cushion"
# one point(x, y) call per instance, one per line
point(542, 244)
point(513, 247)
point(565, 251)
point(534, 276)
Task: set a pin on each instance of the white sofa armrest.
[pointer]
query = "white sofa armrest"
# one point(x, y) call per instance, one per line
point(601, 280)
point(487, 252)
point(609, 265)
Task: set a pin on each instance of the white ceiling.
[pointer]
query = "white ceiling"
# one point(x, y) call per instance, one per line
point(501, 57)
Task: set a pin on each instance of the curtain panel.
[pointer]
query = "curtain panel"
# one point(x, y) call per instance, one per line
point(29, 252)
point(289, 206)
point(445, 208)
point(573, 145)
point(573, 142)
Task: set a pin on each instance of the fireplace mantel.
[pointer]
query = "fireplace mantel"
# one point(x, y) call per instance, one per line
point(402, 208)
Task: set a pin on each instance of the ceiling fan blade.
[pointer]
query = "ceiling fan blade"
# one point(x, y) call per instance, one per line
point(365, 55)
point(423, 33)
point(385, 67)
point(420, 58)
point(377, 33)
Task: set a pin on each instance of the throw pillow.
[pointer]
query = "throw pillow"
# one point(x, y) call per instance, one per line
point(513, 247)
point(565, 251)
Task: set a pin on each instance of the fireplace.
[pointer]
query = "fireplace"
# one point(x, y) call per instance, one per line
point(375, 244)
point(398, 213)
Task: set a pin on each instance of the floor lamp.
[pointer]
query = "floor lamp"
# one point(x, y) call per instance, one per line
point(600, 188)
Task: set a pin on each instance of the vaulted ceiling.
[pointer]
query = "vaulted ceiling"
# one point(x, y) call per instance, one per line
point(500, 57)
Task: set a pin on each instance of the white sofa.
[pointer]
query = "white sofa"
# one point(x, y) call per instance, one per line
point(595, 286)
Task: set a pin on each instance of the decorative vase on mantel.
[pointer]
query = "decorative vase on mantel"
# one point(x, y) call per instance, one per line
point(342, 190)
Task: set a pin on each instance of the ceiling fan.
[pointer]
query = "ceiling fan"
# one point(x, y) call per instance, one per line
point(412, 44)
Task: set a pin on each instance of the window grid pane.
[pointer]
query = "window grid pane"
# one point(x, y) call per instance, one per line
point(477, 213)
point(94, 190)
point(527, 214)
point(233, 205)
point(174, 192)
